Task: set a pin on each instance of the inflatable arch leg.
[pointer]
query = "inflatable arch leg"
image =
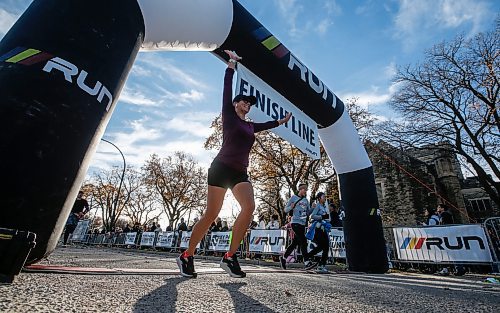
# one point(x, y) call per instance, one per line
point(62, 67)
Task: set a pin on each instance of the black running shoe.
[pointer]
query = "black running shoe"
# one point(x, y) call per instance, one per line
point(309, 265)
point(283, 262)
point(186, 266)
point(232, 267)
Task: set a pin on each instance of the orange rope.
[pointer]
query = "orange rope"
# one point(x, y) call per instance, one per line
point(416, 178)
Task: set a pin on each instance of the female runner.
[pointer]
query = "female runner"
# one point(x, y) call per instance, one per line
point(229, 170)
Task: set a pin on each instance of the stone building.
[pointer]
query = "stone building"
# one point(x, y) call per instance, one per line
point(409, 181)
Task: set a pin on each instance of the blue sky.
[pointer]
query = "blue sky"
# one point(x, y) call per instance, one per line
point(353, 46)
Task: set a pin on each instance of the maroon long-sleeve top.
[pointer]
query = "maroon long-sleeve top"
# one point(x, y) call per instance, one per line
point(238, 135)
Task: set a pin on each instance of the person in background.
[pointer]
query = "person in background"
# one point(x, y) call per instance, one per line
point(80, 208)
point(300, 208)
point(445, 215)
point(262, 222)
point(137, 228)
point(182, 225)
point(216, 225)
point(320, 232)
point(169, 228)
point(127, 229)
point(447, 219)
point(432, 217)
point(152, 228)
point(224, 226)
point(334, 215)
point(274, 223)
point(289, 231)
point(195, 220)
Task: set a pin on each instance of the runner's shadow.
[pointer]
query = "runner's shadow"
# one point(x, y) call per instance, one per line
point(242, 302)
point(162, 299)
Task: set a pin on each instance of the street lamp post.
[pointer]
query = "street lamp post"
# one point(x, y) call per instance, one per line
point(115, 204)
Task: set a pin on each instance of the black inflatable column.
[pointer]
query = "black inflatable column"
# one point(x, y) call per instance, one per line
point(62, 66)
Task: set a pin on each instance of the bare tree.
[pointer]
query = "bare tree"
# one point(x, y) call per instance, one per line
point(362, 118)
point(179, 182)
point(106, 197)
point(452, 97)
point(143, 206)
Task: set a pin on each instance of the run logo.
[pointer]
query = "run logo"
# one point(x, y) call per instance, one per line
point(70, 71)
point(219, 240)
point(267, 241)
point(442, 243)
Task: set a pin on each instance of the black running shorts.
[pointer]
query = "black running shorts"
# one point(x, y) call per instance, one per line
point(221, 175)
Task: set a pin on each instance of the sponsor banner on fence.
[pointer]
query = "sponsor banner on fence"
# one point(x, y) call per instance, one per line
point(219, 241)
point(268, 241)
point(301, 130)
point(165, 239)
point(337, 244)
point(148, 239)
point(80, 230)
point(130, 238)
point(185, 240)
point(460, 243)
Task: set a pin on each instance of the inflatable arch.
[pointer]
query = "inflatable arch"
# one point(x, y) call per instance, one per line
point(64, 63)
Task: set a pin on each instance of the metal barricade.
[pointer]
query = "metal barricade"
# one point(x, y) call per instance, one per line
point(120, 239)
point(492, 230)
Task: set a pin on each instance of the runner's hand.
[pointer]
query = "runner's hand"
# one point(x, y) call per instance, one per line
point(285, 119)
point(232, 55)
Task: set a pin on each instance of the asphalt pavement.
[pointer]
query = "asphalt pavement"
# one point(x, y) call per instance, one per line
point(266, 289)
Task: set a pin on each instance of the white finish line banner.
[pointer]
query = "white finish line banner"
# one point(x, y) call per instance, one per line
point(301, 130)
point(219, 241)
point(268, 241)
point(461, 243)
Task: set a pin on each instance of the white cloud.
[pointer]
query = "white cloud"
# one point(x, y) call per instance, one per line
point(157, 134)
point(191, 96)
point(390, 70)
point(332, 7)
point(293, 12)
point(6, 21)
point(323, 26)
point(136, 98)
point(164, 66)
point(365, 8)
point(371, 97)
point(195, 124)
point(290, 9)
point(417, 19)
point(141, 71)
point(179, 99)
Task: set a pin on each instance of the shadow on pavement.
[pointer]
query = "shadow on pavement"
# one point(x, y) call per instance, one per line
point(242, 302)
point(162, 299)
